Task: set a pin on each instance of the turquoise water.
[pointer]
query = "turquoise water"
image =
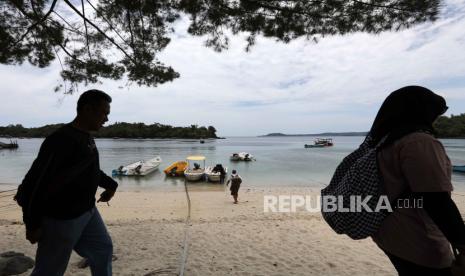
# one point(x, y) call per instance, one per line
point(281, 161)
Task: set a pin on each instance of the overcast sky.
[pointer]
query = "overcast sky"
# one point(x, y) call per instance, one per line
point(337, 84)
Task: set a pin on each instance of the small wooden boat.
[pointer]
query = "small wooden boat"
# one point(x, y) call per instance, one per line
point(194, 171)
point(241, 156)
point(213, 174)
point(176, 169)
point(459, 169)
point(138, 168)
point(320, 143)
point(11, 145)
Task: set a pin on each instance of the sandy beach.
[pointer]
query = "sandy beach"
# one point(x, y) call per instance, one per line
point(148, 229)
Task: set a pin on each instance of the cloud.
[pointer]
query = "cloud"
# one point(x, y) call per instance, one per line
point(301, 87)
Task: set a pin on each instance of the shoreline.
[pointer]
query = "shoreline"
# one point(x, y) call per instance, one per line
point(148, 229)
point(207, 186)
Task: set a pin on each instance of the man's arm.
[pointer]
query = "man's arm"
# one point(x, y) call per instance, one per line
point(107, 182)
point(109, 185)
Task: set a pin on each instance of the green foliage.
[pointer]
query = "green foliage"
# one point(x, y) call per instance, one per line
point(120, 130)
point(121, 39)
point(452, 127)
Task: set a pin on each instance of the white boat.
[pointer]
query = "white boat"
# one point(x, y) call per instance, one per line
point(241, 156)
point(139, 168)
point(235, 157)
point(214, 175)
point(194, 171)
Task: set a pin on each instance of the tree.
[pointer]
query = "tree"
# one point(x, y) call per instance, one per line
point(450, 127)
point(116, 39)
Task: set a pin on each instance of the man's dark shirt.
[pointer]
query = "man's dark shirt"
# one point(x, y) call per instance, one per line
point(64, 178)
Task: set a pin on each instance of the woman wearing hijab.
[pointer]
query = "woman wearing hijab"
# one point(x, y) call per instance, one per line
point(412, 161)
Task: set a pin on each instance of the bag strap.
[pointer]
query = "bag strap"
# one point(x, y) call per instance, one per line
point(381, 143)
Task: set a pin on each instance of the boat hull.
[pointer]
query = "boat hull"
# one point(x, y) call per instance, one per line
point(314, 146)
point(460, 169)
point(213, 176)
point(241, 156)
point(176, 169)
point(11, 145)
point(139, 168)
point(194, 176)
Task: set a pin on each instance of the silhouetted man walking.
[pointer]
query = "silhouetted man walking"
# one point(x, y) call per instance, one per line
point(57, 194)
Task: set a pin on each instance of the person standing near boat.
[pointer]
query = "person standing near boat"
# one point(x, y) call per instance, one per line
point(222, 174)
point(235, 181)
point(413, 162)
point(57, 195)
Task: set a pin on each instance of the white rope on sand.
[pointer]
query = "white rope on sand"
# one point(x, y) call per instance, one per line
point(6, 191)
point(185, 251)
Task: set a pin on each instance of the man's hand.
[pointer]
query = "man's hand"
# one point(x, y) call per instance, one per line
point(458, 265)
point(33, 236)
point(106, 196)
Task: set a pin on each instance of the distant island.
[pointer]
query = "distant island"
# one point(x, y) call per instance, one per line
point(119, 130)
point(446, 127)
point(318, 134)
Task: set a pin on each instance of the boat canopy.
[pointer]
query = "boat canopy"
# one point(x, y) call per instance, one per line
point(196, 158)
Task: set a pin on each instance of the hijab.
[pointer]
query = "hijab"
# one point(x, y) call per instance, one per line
point(407, 110)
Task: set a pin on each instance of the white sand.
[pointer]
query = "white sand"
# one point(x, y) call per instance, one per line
point(224, 239)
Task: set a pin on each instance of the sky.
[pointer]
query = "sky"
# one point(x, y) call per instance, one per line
point(336, 85)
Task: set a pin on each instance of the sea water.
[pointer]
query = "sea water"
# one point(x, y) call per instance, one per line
point(280, 161)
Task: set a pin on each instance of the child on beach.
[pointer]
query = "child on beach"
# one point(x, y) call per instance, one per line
point(235, 181)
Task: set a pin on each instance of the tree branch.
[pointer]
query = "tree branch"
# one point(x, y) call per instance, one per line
point(100, 31)
point(108, 22)
point(142, 23)
point(128, 17)
point(61, 64)
point(383, 7)
point(40, 21)
point(46, 28)
point(73, 29)
point(85, 27)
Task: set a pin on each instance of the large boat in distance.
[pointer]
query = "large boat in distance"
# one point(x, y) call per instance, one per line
point(321, 143)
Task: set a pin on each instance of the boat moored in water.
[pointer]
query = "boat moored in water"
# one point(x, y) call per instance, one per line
point(139, 168)
point(176, 169)
point(213, 174)
point(241, 156)
point(459, 169)
point(11, 145)
point(194, 170)
point(321, 143)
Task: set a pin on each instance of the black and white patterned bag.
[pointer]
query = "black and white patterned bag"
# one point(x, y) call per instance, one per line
point(357, 175)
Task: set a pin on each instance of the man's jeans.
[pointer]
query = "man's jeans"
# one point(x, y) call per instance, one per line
point(86, 234)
